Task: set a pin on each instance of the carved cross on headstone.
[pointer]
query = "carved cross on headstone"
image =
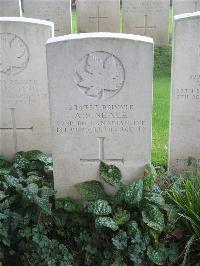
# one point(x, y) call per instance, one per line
point(98, 17)
point(102, 154)
point(14, 128)
point(146, 27)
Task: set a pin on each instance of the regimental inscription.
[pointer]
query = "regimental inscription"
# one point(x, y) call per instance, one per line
point(14, 54)
point(14, 128)
point(100, 75)
point(192, 93)
point(101, 156)
point(141, 6)
point(100, 119)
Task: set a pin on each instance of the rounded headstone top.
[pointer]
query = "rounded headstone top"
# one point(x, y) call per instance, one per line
point(101, 35)
point(187, 16)
point(26, 20)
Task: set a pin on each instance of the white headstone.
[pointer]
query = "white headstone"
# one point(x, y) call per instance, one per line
point(98, 15)
point(10, 8)
point(148, 18)
point(185, 96)
point(185, 6)
point(57, 11)
point(101, 105)
point(24, 102)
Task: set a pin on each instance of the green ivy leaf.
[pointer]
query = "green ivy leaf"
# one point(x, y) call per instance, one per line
point(120, 240)
point(36, 155)
point(155, 198)
point(32, 188)
point(132, 228)
point(157, 255)
point(119, 196)
point(136, 254)
point(4, 171)
point(107, 222)
point(20, 161)
point(119, 261)
point(121, 216)
point(91, 190)
point(173, 252)
point(111, 174)
point(99, 207)
point(44, 204)
point(2, 195)
point(150, 177)
point(134, 192)
point(70, 205)
point(13, 182)
point(153, 217)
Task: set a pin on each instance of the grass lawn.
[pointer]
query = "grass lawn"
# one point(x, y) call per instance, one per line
point(161, 93)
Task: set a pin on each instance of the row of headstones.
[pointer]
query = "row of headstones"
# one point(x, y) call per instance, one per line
point(142, 17)
point(100, 87)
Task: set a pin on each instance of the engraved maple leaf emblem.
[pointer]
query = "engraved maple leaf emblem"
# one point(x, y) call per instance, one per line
point(13, 54)
point(100, 75)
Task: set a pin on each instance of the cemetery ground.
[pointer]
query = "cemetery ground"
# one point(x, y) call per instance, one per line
point(151, 221)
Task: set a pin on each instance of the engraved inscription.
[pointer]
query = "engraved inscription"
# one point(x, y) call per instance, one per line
point(100, 75)
point(14, 54)
point(14, 128)
point(102, 154)
point(144, 6)
point(192, 93)
point(101, 119)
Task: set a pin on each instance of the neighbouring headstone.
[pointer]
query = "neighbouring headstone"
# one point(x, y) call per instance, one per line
point(101, 105)
point(57, 11)
point(148, 18)
point(98, 15)
point(185, 95)
point(185, 6)
point(10, 8)
point(24, 101)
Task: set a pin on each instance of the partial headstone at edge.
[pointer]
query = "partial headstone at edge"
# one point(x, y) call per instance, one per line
point(185, 93)
point(185, 6)
point(10, 8)
point(24, 100)
point(56, 11)
point(98, 15)
point(147, 18)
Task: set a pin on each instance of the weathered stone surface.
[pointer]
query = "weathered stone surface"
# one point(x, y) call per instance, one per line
point(101, 105)
point(10, 8)
point(185, 96)
point(185, 6)
point(24, 101)
point(98, 15)
point(148, 18)
point(57, 11)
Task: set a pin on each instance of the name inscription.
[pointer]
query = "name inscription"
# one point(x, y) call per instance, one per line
point(100, 119)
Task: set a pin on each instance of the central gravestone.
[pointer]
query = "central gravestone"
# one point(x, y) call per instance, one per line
point(100, 105)
point(10, 8)
point(24, 104)
point(57, 11)
point(147, 18)
point(98, 15)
